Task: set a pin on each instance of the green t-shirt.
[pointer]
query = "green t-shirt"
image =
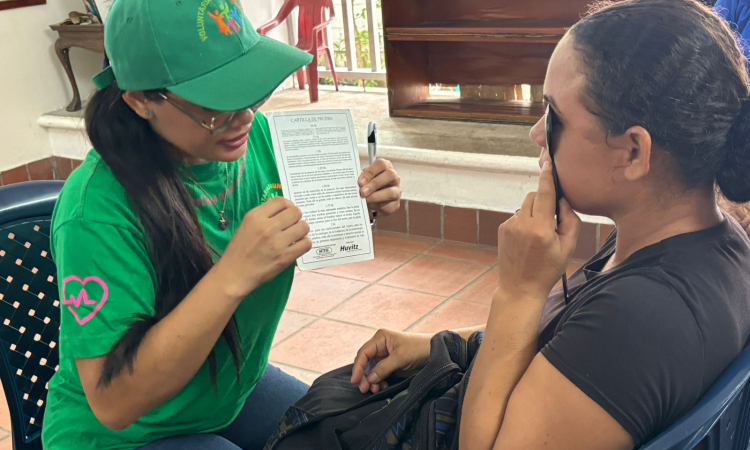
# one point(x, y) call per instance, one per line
point(106, 276)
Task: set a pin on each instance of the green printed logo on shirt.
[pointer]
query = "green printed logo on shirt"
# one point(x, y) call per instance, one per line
point(272, 190)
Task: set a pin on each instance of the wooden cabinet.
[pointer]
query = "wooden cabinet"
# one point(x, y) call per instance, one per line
point(487, 47)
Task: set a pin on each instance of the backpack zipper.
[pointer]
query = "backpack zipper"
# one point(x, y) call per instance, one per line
point(373, 398)
point(425, 424)
point(424, 427)
point(417, 393)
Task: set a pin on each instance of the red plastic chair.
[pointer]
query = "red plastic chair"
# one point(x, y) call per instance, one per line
point(313, 37)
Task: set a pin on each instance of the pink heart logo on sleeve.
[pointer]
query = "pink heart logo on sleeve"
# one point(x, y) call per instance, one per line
point(83, 300)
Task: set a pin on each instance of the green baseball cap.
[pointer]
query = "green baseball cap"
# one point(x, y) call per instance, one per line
point(205, 51)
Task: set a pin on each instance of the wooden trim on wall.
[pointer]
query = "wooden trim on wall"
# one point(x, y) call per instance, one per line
point(10, 4)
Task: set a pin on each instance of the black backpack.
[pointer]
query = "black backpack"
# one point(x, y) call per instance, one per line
point(420, 412)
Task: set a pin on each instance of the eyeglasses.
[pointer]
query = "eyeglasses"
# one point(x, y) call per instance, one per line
point(218, 123)
point(550, 120)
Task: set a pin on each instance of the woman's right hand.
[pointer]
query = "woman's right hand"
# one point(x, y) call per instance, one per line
point(270, 238)
point(391, 352)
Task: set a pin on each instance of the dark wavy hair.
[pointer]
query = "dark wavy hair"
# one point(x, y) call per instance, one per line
point(178, 250)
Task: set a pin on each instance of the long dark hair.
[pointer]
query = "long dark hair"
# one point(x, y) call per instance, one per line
point(674, 68)
point(179, 252)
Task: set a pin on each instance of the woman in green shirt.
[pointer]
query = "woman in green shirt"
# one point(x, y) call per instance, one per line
point(175, 249)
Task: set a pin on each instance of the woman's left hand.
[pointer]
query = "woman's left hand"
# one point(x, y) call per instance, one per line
point(533, 251)
point(380, 186)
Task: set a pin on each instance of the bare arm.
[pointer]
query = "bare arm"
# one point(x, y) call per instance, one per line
point(269, 239)
point(516, 399)
point(507, 350)
point(169, 357)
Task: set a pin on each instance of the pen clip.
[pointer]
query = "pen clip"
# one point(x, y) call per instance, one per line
point(372, 129)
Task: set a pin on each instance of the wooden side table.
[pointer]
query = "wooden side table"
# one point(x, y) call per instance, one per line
point(90, 37)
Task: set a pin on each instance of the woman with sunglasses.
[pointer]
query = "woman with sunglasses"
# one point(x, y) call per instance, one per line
point(175, 248)
point(650, 121)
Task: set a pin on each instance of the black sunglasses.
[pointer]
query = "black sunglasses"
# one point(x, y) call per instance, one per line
point(550, 119)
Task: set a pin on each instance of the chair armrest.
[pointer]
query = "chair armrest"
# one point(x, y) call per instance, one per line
point(267, 27)
point(323, 25)
point(284, 12)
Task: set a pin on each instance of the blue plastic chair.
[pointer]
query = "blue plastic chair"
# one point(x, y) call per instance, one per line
point(29, 306)
point(721, 417)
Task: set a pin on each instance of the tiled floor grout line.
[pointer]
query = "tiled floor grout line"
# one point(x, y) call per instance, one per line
point(377, 283)
point(436, 244)
point(439, 241)
point(330, 319)
point(410, 290)
point(297, 312)
point(452, 297)
point(317, 318)
point(374, 283)
point(371, 284)
point(394, 287)
point(422, 319)
point(473, 283)
point(471, 263)
point(414, 256)
point(309, 372)
point(346, 300)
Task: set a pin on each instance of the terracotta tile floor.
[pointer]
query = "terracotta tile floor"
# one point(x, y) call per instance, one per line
point(413, 284)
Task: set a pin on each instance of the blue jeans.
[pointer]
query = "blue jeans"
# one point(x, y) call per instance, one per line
point(274, 394)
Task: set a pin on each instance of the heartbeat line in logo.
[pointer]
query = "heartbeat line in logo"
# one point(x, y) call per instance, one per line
point(82, 296)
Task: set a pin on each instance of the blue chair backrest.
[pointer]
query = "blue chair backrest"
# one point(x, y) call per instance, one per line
point(721, 417)
point(29, 305)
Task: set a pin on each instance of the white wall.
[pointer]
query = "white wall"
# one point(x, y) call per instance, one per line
point(260, 12)
point(32, 80)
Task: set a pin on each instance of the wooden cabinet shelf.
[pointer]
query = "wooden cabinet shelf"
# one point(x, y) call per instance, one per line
point(487, 47)
point(476, 110)
point(520, 31)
